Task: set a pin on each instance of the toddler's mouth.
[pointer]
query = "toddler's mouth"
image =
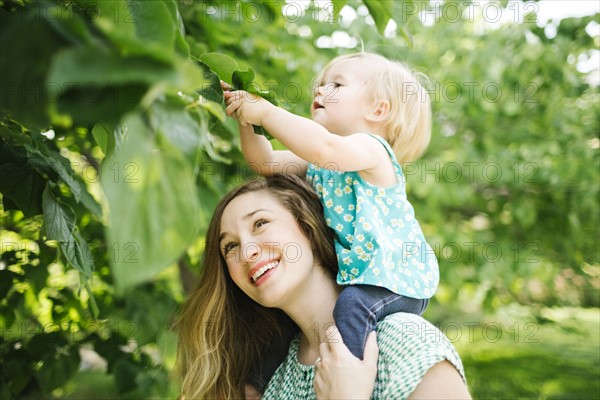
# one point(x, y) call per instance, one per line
point(316, 105)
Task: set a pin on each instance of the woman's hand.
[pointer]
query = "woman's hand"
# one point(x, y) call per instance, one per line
point(340, 375)
point(246, 108)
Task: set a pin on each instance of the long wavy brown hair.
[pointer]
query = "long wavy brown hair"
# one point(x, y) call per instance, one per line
point(221, 330)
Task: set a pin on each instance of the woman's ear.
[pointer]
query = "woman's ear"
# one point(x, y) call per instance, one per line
point(379, 112)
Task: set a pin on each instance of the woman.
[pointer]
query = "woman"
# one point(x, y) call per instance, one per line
point(268, 249)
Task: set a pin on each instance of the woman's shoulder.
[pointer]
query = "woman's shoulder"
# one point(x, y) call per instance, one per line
point(405, 324)
point(409, 346)
point(402, 333)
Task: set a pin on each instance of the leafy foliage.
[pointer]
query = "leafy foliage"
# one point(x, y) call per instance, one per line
point(114, 148)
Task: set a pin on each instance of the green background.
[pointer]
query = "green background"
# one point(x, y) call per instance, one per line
point(114, 149)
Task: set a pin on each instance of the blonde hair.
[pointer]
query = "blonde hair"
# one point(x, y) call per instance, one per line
point(222, 332)
point(407, 125)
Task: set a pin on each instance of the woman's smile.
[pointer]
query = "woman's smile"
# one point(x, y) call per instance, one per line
point(262, 271)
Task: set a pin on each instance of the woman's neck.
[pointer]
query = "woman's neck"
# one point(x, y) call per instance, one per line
point(312, 311)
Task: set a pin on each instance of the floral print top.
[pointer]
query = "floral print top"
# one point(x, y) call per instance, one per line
point(378, 240)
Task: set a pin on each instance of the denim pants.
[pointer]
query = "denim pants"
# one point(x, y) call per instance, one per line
point(360, 307)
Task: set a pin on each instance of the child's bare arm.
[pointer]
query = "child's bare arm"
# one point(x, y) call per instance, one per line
point(259, 153)
point(265, 161)
point(305, 138)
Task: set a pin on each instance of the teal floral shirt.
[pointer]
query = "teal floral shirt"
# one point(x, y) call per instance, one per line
point(408, 347)
point(378, 240)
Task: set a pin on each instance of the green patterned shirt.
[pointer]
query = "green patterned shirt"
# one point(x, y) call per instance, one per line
point(408, 347)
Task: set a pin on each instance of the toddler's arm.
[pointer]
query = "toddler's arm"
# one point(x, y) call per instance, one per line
point(305, 138)
point(265, 161)
point(259, 153)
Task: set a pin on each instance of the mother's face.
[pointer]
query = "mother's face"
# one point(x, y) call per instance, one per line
point(267, 255)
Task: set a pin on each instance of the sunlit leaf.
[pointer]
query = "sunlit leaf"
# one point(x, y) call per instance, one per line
point(381, 11)
point(152, 200)
point(221, 64)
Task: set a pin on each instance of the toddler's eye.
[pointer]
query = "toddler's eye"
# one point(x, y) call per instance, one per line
point(331, 85)
point(260, 222)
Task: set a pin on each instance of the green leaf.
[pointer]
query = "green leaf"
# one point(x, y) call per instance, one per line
point(153, 22)
point(211, 96)
point(181, 45)
point(211, 90)
point(108, 136)
point(223, 65)
point(243, 80)
point(78, 254)
point(337, 7)
point(125, 375)
point(37, 275)
point(17, 369)
point(6, 282)
point(23, 186)
point(59, 219)
point(149, 325)
point(115, 15)
point(24, 60)
point(229, 71)
point(110, 348)
point(19, 181)
point(41, 156)
point(215, 109)
point(108, 104)
point(70, 25)
point(92, 300)
point(46, 343)
point(89, 202)
point(182, 131)
point(81, 67)
point(152, 200)
point(7, 319)
point(57, 369)
point(133, 29)
point(93, 85)
point(381, 11)
point(101, 132)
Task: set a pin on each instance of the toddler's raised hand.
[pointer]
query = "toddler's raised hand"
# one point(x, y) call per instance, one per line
point(246, 108)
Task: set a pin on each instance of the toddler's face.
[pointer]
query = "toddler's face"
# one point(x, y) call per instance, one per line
point(341, 102)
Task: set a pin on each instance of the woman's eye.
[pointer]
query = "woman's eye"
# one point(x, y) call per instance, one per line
point(228, 247)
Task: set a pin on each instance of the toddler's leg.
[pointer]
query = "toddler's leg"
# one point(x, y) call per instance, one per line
point(359, 307)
